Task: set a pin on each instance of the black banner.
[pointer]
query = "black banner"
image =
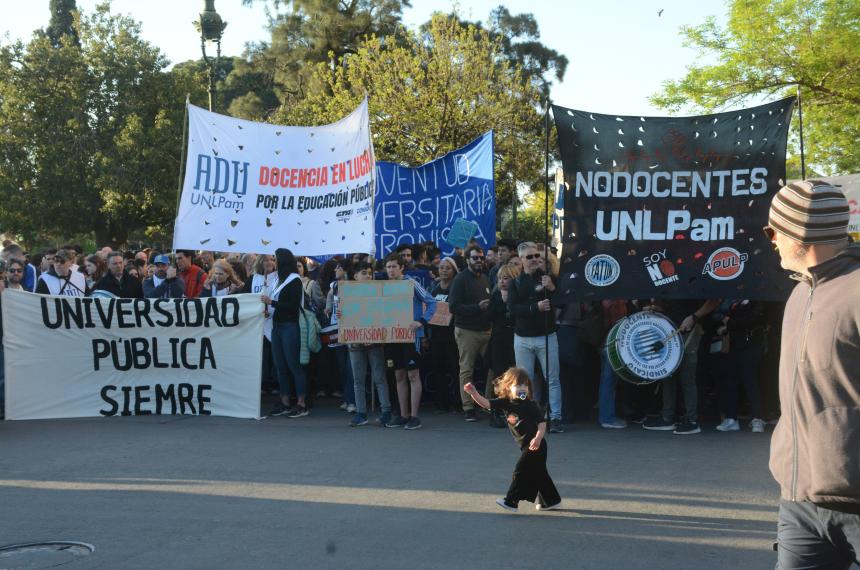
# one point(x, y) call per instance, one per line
point(671, 207)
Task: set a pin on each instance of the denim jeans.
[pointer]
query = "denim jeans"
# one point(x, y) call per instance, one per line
point(527, 349)
point(360, 357)
point(344, 368)
point(285, 352)
point(606, 399)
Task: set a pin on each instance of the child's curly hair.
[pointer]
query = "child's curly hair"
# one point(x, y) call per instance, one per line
point(512, 377)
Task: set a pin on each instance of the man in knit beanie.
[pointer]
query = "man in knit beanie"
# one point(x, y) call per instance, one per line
point(815, 450)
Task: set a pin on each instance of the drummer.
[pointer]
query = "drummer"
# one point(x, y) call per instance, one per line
point(687, 314)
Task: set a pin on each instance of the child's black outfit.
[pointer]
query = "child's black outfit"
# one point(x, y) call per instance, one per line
point(531, 480)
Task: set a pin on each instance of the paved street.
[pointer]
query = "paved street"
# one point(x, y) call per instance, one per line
point(193, 492)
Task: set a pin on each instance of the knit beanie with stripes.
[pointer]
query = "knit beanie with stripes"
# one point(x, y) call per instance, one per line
point(811, 212)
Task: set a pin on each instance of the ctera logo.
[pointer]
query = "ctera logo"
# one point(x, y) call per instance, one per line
point(725, 264)
point(602, 270)
point(660, 269)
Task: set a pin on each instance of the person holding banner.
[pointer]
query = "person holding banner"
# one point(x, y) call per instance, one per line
point(469, 303)
point(815, 450)
point(362, 355)
point(405, 355)
point(117, 281)
point(164, 283)
point(221, 281)
point(264, 279)
point(61, 279)
point(15, 270)
point(535, 337)
point(285, 301)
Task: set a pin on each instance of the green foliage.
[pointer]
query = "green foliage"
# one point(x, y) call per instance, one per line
point(62, 21)
point(532, 221)
point(91, 133)
point(309, 31)
point(432, 93)
point(769, 47)
point(519, 36)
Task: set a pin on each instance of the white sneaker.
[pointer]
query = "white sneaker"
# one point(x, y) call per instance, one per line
point(729, 425)
point(757, 425)
point(343, 406)
point(351, 408)
point(539, 507)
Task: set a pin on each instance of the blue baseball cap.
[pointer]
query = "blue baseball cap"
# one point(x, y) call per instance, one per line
point(159, 259)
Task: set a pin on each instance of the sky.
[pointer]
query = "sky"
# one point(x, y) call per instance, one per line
point(620, 51)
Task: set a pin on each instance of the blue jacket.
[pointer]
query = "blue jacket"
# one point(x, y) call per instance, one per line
point(423, 308)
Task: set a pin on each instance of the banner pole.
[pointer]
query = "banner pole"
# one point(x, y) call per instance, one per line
point(800, 117)
point(546, 243)
point(181, 170)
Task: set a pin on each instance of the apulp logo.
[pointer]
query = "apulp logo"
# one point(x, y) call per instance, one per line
point(725, 264)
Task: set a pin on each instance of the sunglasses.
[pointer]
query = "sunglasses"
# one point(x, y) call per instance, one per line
point(476, 257)
point(533, 256)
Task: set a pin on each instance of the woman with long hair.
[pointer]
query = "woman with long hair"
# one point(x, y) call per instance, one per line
point(286, 302)
point(221, 281)
point(311, 286)
point(443, 346)
point(94, 270)
point(500, 349)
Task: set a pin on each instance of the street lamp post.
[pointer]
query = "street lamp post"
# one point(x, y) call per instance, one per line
point(211, 27)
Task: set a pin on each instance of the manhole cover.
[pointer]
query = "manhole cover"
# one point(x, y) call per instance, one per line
point(42, 554)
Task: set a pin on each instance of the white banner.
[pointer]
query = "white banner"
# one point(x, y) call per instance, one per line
point(81, 357)
point(253, 187)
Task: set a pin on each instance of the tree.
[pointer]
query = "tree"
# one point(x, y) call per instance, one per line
point(62, 21)
point(275, 73)
point(89, 135)
point(431, 93)
point(772, 48)
point(532, 221)
point(519, 36)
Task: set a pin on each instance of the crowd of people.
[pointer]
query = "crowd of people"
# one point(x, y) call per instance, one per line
point(502, 314)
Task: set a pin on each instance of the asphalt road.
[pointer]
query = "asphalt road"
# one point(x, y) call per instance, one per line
point(203, 492)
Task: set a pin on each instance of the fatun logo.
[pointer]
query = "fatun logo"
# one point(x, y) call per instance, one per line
point(725, 264)
point(660, 269)
point(602, 270)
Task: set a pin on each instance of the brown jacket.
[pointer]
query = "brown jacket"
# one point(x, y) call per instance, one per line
point(815, 450)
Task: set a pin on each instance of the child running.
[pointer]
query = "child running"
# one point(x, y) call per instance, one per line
point(531, 480)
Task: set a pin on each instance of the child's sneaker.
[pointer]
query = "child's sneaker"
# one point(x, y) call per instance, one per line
point(506, 505)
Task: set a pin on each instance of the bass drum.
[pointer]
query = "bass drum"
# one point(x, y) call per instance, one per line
point(644, 348)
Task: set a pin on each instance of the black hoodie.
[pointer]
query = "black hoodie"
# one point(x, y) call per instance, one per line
point(291, 296)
